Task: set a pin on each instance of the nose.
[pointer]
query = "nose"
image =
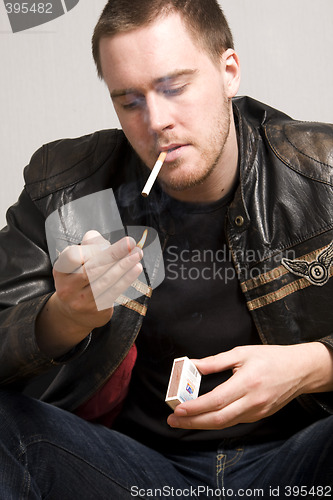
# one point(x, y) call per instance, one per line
point(158, 113)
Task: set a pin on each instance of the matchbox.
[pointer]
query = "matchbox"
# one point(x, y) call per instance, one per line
point(184, 382)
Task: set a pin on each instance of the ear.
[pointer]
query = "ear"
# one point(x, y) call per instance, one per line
point(231, 68)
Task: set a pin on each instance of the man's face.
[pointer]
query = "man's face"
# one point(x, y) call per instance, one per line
point(169, 96)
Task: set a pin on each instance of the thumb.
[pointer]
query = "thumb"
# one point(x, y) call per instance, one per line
point(92, 244)
point(94, 238)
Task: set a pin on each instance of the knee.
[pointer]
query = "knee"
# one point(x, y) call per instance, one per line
point(9, 422)
point(9, 401)
point(16, 410)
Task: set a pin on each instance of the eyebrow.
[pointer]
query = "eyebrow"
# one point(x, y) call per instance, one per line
point(170, 76)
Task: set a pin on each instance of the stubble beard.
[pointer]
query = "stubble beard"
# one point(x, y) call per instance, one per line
point(209, 158)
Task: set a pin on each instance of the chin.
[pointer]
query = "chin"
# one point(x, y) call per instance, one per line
point(181, 183)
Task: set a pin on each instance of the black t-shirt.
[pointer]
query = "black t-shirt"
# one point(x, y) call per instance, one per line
point(197, 311)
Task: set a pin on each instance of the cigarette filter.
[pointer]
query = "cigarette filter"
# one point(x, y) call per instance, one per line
point(184, 382)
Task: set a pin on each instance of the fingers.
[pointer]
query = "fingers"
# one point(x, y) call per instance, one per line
point(109, 281)
point(226, 405)
point(217, 419)
point(121, 255)
point(264, 380)
point(73, 257)
point(97, 270)
point(93, 244)
point(93, 237)
point(69, 260)
point(219, 362)
point(217, 399)
point(104, 294)
point(221, 407)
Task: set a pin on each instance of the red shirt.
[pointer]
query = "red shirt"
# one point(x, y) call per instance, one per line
point(106, 404)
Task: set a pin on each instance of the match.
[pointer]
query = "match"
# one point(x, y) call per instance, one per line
point(143, 239)
point(153, 174)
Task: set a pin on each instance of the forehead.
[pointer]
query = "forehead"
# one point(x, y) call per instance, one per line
point(149, 52)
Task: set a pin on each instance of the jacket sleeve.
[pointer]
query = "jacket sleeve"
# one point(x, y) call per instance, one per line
point(26, 283)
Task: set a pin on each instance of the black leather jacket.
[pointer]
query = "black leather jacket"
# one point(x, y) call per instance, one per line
point(282, 209)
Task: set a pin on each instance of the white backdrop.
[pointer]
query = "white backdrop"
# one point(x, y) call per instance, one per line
point(49, 87)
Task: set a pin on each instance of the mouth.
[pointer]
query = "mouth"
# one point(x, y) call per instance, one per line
point(174, 151)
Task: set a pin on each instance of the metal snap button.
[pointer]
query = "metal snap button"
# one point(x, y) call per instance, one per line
point(239, 221)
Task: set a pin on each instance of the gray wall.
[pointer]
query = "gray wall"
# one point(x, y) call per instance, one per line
point(49, 87)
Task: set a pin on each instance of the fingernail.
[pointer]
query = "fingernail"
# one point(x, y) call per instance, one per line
point(136, 255)
point(172, 422)
point(128, 243)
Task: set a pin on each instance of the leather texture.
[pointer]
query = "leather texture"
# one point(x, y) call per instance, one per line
point(282, 209)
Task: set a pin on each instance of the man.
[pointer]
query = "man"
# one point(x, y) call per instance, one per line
point(239, 176)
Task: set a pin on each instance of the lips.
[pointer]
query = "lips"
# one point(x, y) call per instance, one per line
point(174, 151)
point(171, 147)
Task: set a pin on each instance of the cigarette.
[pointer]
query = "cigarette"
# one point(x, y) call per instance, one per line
point(143, 239)
point(153, 174)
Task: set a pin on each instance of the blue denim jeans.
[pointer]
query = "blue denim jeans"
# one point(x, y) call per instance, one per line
point(48, 453)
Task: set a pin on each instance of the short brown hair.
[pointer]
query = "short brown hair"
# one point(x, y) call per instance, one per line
point(203, 18)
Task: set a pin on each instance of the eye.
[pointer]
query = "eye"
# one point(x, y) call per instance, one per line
point(133, 102)
point(173, 91)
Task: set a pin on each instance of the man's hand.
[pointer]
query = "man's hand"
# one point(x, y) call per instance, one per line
point(88, 278)
point(265, 378)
